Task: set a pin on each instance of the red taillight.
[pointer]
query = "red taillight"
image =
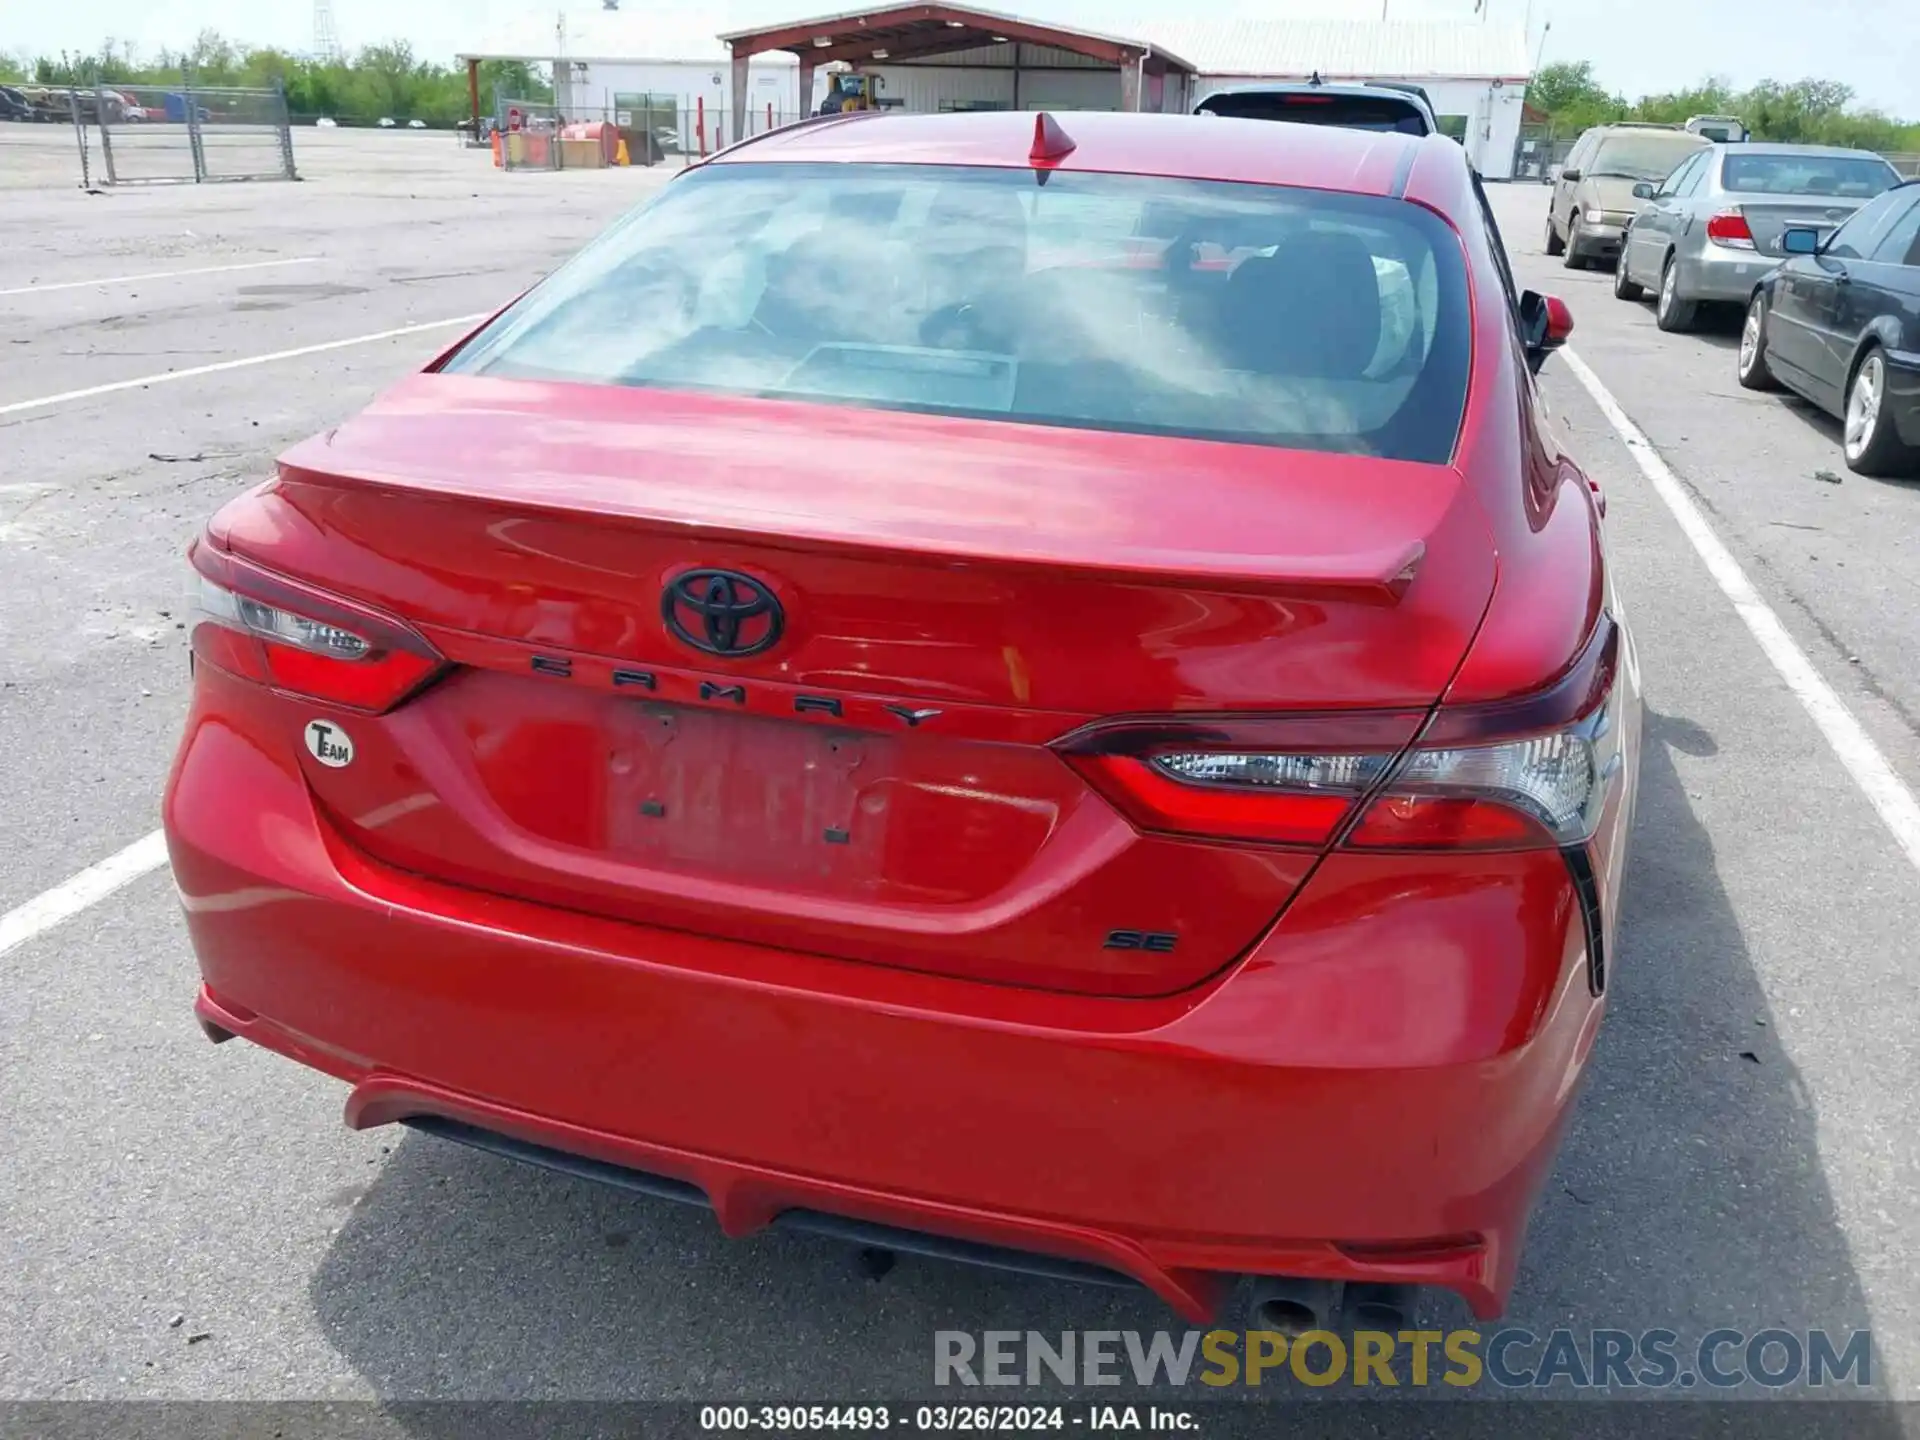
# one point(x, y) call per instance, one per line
point(1730, 228)
point(1153, 800)
point(1445, 822)
point(1522, 774)
point(1272, 780)
point(278, 632)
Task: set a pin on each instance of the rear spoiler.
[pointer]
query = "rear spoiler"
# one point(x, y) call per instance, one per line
point(730, 470)
point(1378, 575)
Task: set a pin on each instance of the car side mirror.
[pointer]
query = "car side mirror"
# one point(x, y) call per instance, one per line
point(1643, 190)
point(1545, 324)
point(1799, 240)
point(1573, 174)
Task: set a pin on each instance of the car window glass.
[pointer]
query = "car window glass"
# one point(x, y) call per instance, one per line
point(1696, 172)
point(1856, 238)
point(1678, 181)
point(1852, 177)
point(1349, 112)
point(1643, 154)
point(1499, 247)
point(1578, 155)
point(1902, 231)
point(1254, 313)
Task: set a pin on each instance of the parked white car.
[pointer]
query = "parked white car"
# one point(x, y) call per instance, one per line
point(416, 124)
point(385, 122)
point(325, 122)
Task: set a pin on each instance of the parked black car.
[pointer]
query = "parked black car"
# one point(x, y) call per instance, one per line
point(1839, 322)
point(13, 105)
point(1402, 108)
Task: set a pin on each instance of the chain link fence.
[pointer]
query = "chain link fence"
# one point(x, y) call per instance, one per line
point(1538, 153)
point(186, 133)
point(654, 130)
point(527, 135)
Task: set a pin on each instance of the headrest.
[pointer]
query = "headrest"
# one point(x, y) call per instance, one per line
point(1311, 308)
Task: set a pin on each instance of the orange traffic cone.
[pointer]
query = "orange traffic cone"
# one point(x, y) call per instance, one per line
point(496, 149)
point(620, 155)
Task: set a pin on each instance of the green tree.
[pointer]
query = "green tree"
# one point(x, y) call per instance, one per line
point(113, 63)
point(387, 79)
point(213, 59)
point(1571, 98)
point(1805, 111)
point(1563, 85)
point(1712, 96)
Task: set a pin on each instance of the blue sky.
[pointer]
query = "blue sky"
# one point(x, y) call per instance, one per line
point(1636, 45)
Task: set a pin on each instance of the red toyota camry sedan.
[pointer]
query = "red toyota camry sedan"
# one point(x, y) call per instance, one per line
point(1031, 689)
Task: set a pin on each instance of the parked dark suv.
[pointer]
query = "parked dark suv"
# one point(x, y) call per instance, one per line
point(1374, 106)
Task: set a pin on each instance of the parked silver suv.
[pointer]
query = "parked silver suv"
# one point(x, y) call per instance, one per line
point(1593, 197)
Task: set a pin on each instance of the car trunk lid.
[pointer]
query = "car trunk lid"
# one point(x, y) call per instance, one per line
point(877, 783)
point(1768, 219)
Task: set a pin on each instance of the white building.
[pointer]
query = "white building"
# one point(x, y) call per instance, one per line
point(598, 57)
point(932, 57)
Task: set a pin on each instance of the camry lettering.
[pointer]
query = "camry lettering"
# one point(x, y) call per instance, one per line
point(562, 667)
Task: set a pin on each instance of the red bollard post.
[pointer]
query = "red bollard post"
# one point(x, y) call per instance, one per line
point(700, 123)
point(769, 115)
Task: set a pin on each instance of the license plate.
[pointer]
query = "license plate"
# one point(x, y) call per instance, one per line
point(742, 795)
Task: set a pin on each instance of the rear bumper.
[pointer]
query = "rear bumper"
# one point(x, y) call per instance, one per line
point(1599, 240)
point(1716, 274)
point(1376, 1092)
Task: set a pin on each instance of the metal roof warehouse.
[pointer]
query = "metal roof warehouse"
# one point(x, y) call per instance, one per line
point(941, 57)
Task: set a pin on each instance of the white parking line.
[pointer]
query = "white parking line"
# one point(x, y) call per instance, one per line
point(92, 884)
point(41, 402)
point(158, 275)
point(1884, 790)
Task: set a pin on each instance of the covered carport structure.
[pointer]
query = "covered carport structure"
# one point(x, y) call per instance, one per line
point(904, 35)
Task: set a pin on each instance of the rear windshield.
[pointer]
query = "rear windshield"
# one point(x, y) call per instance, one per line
point(1644, 156)
point(1857, 177)
point(1349, 112)
point(1250, 313)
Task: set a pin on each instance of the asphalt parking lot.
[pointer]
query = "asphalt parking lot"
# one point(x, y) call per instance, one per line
point(181, 1221)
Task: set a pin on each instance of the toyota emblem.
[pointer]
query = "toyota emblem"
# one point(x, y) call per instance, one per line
point(722, 612)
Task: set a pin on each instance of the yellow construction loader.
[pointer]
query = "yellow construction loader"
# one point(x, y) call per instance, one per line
point(850, 90)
